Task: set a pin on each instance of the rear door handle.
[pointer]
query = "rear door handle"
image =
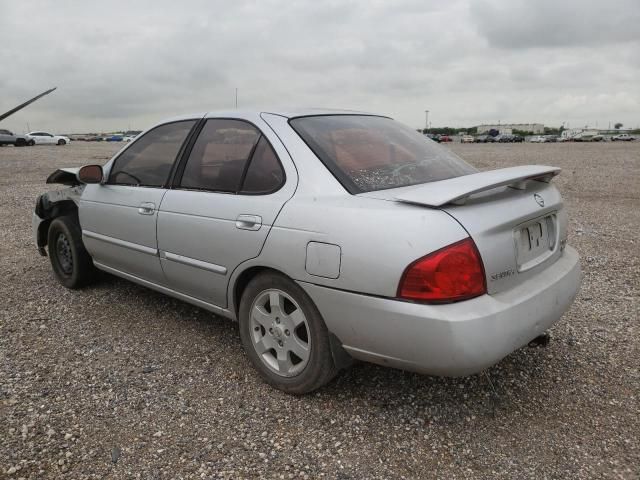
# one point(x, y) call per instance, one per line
point(147, 208)
point(249, 222)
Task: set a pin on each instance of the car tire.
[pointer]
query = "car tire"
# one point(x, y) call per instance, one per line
point(274, 336)
point(71, 263)
point(61, 142)
point(31, 143)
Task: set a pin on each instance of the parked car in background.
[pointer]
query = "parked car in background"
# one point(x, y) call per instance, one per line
point(551, 138)
point(43, 138)
point(445, 138)
point(466, 139)
point(517, 138)
point(114, 138)
point(296, 224)
point(622, 137)
point(588, 136)
point(505, 138)
point(129, 138)
point(433, 136)
point(485, 139)
point(9, 138)
point(538, 139)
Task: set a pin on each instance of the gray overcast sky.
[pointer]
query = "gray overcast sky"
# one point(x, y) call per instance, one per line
point(129, 64)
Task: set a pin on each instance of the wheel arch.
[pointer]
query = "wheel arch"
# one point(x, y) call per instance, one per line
point(340, 356)
point(48, 211)
point(242, 280)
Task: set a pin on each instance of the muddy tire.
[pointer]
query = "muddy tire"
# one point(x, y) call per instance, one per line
point(71, 263)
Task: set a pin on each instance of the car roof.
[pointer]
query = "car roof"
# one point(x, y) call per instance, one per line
point(306, 112)
point(283, 112)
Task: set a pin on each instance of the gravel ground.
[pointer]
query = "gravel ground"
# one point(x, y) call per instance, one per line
point(117, 381)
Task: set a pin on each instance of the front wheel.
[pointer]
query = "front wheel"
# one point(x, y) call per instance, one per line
point(61, 142)
point(71, 263)
point(284, 335)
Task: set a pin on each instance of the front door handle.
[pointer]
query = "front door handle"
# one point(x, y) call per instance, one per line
point(249, 222)
point(146, 208)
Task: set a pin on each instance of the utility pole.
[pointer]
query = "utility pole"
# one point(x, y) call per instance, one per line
point(426, 119)
point(236, 98)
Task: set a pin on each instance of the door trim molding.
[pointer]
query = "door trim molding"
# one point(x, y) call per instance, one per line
point(121, 243)
point(168, 291)
point(192, 262)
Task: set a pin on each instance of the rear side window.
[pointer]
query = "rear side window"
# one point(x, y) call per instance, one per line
point(265, 174)
point(148, 161)
point(232, 156)
point(219, 156)
point(367, 153)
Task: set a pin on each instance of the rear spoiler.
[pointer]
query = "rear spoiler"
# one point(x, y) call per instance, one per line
point(65, 176)
point(457, 190)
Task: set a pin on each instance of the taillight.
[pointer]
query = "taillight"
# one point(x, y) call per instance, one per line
point(450, 274)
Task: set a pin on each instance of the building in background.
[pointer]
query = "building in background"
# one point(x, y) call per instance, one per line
point(507, 128)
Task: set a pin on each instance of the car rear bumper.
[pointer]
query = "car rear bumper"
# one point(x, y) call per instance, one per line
point(453, 339)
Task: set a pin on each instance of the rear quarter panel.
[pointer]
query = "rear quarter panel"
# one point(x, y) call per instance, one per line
point(378, 239)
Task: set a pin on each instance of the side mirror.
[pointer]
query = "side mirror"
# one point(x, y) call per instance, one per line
point(90, 174)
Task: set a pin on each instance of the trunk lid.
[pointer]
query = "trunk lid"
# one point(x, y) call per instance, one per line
point(515, 217)
point(519, 232)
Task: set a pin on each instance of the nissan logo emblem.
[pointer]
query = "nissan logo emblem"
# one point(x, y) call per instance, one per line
point(539, 200)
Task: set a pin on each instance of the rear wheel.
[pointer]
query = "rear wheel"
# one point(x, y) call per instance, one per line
point(70, 261)
point(284, 335)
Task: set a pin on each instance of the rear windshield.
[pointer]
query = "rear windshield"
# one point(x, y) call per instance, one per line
point(368, 153)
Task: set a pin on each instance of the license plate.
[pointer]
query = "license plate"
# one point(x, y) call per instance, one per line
point(533, 242)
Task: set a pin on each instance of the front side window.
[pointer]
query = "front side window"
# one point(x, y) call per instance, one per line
point(232, 156)
point(148, 161)
point(367, 153)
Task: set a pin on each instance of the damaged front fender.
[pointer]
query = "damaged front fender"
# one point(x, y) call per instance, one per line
point(65, 176)
point(51, 205)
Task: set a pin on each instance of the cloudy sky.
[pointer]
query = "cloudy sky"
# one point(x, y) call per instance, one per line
point(129, 64)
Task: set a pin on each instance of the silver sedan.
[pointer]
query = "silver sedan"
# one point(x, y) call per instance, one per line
point(328, 235)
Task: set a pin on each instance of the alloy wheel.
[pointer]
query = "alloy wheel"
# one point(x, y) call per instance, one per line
point(280, 332)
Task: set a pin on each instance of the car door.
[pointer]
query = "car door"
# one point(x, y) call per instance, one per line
point(44, 138)
point(40, 138)
point(118, 217)
point(224, 201)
